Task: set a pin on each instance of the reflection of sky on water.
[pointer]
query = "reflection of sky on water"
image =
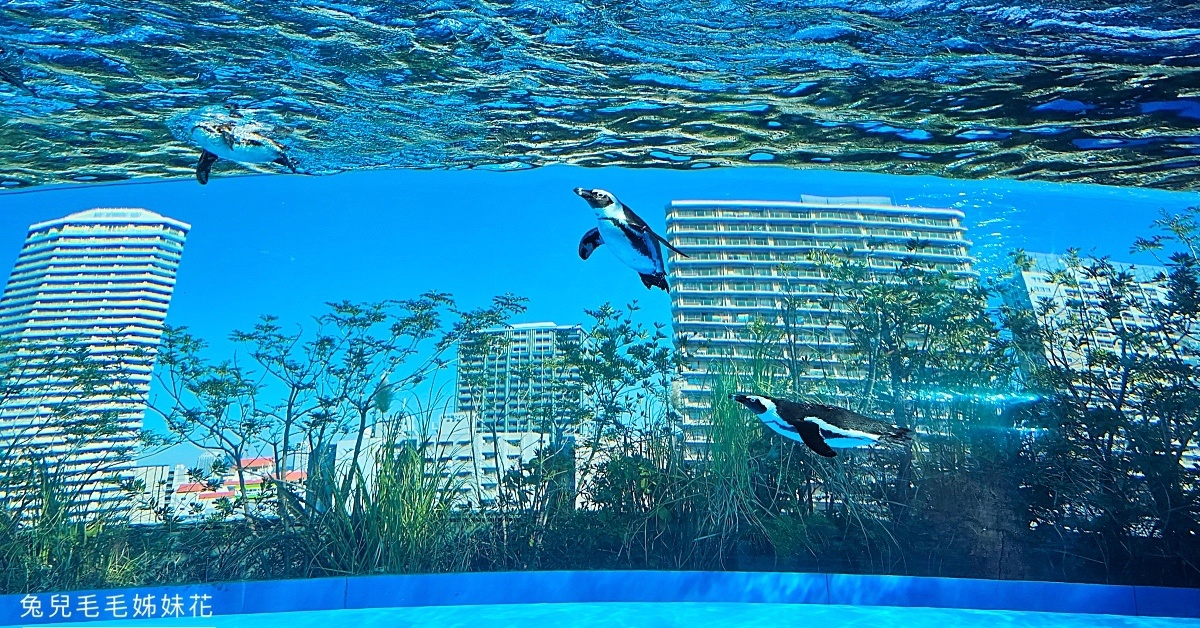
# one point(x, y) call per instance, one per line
point(1049, 89)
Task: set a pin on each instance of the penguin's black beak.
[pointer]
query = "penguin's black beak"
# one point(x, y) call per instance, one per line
point(587, 195)
point(752, 404)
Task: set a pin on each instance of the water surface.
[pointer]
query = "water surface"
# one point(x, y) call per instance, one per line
point(1082, 90)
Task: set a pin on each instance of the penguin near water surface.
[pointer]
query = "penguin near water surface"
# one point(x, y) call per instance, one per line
point(629, 238)
point(12, 75)
point(821, 427)
point(228, 140)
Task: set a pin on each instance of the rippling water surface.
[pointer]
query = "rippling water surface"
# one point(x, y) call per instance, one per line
point(1105, 92)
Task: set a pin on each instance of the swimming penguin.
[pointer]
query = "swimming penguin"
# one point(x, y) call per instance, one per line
point(235, 143)
point(820, 427)
point(627, 236)
point(13, 76)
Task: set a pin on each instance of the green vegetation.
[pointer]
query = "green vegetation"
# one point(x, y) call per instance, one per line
point(1042, 451)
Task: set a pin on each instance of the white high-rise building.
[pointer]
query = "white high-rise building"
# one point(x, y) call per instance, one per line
point(1076, 297)
point(473, 463)
point(507, 376)
point(98, 283)
point(155, 493)
point(746, 257)
point(1066, 296)
point(466, 464)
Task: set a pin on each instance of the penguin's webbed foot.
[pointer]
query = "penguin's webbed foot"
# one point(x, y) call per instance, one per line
point(204, 167)
point(655, 281)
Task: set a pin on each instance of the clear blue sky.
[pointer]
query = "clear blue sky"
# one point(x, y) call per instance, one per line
point(285, 245)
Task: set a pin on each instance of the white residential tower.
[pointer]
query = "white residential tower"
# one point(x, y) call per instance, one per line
point(97, 282)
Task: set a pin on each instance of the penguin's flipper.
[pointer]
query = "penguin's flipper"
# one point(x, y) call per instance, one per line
point(590, 242)
point(204, 168)
point(657, 280)
point(665, 243)
point(810, 433)
point(640, 224)
point(284, 161)
point(14, 79)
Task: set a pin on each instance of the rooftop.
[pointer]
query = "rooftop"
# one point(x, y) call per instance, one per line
point(102, 215)
point(880, 204)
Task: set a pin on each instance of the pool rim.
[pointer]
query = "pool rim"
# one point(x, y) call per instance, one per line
point(541, 587)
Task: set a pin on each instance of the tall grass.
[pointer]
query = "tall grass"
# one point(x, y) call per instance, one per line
point(47, 542)
point(729, 470)
point(398, 517)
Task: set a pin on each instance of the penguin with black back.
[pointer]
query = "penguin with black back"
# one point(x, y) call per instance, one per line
point(820, 427)
point(12, 75)
point(629, 238)
point(240, 143)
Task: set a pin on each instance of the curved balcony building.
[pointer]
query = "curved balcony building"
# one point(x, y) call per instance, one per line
point(747, 257)
point(80, 321)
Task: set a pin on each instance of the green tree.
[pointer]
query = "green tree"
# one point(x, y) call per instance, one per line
point(1120, 372)
point(302, 391)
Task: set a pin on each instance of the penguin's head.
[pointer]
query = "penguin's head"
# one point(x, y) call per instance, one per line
point(598, 199)
point(756, 403)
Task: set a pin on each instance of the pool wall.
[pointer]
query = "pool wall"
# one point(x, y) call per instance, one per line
point(530, 587)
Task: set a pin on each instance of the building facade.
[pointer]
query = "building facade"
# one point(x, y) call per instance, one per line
point(1068, 303)
point(745, 258)
point(1070, 293)
point(80, 319)
point(466, 465)
point(472, 463)
point(173, 493)
point(155, 493)
point(508, 378)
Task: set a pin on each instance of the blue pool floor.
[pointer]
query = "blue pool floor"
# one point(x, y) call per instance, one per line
point(656, 615)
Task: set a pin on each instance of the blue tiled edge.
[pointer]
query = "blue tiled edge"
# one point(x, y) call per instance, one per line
point(585, 586)
point(1167, 602)
point(621, 586)
point(279, 596)
point(1011, 595)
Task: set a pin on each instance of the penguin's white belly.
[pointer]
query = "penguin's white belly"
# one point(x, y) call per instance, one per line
point(855, 437)
point(617, 242)
point(245, 153)
point(771, 419)
point(783, 430)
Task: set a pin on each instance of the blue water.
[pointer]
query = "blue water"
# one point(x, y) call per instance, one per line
point(1058, 90)
point(650, 615)
point(285, 245)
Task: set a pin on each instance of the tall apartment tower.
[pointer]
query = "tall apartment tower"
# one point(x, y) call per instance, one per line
point(733, 273)
point(507, 376)
point(96, 283)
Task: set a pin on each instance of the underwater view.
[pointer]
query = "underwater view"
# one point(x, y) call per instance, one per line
point(850, 304)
